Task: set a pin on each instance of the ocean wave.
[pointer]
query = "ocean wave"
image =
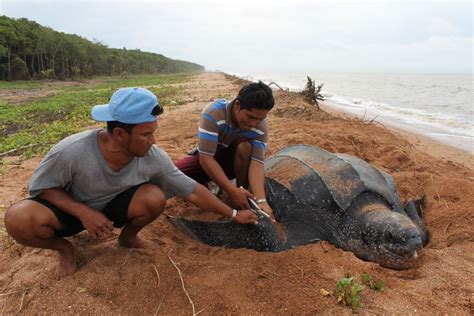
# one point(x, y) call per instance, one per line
point(406, 114)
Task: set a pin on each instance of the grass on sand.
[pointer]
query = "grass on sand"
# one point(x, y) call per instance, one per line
point(32, 127)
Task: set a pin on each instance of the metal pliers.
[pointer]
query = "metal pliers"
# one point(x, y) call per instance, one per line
point(254, 207)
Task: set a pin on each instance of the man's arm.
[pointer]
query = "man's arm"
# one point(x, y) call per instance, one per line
point(204, 199)
point(96, 223)
point(257, 185)
point(215, 172)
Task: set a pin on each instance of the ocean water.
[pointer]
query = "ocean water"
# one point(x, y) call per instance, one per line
point(440, 107)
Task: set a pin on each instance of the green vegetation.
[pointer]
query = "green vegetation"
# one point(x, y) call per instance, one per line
point(31, 51)
point(224, 96)
point(3, 230)
point(348, 290)
point(139, 81)
point(376, 286)
point(348, 293)
point(33, 127)
point(21, 85)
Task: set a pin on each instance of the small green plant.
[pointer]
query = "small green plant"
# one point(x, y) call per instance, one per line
point(81, 290)
point(374, 285)
point(348, 292)
point(224, 96)
point(3, 230)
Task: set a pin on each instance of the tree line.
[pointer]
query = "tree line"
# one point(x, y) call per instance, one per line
point(29, 50)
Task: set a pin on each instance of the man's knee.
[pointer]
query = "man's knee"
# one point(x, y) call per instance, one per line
point(149, 200)
point(244, 150)
point(24, 219)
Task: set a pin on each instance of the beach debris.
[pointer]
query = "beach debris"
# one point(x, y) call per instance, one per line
point(81, 290)
point(324, 292)
point(312, 93)
point(182, 284)
point(276, 84)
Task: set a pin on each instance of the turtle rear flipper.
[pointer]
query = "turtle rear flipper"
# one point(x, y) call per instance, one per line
point(414, 210)
point(420, 203)
point(261, 237)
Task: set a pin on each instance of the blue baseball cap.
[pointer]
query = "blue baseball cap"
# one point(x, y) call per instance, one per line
point(129, 106)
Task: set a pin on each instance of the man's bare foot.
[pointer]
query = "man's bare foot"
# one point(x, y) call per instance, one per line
point(136, 242)
point(67, 264)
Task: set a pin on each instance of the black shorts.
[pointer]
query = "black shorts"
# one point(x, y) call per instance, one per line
point(116, 211)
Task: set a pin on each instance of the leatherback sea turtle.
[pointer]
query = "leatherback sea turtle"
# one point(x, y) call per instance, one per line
point(317, 195)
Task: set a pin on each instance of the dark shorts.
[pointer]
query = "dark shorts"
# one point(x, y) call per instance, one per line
point(116, 211)
point(191, 167)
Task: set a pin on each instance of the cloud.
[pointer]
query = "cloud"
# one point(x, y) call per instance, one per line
point(412, 36)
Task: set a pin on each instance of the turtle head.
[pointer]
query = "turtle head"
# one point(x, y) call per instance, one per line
point(380, 235)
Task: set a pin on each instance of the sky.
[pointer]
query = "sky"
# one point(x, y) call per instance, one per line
point(274, 36)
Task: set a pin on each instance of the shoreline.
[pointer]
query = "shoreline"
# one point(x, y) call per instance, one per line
point(422, 142)
point(435, 134)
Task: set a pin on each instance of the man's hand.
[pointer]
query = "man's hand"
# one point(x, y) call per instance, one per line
point(240, 196)
point(245, 217)
point(96, 223)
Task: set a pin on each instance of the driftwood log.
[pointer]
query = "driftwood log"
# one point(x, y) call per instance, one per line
point(274, 83)
point(312, 93)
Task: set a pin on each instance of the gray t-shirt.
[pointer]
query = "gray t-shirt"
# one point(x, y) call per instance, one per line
point(76, 165)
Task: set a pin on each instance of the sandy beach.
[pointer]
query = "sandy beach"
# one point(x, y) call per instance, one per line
point(113, 279)
point(422, 143)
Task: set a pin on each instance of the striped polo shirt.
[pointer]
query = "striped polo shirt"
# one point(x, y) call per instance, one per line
point(216, 131)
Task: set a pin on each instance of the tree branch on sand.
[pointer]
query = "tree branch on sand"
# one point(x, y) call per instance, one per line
point(182, 285)
point(312, 93)
point(6, 153)
point(274, 83)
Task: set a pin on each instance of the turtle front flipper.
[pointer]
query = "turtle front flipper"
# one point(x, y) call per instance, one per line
point(260, 237)
point(303, 224)
point(279, 197)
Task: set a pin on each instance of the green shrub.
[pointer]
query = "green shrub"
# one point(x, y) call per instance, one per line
point(19, 69)
point(348, 292)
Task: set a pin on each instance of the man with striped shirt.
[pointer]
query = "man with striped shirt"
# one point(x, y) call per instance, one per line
point(232, 141)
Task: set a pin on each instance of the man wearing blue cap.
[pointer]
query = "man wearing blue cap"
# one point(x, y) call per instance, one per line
point(100, 179)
